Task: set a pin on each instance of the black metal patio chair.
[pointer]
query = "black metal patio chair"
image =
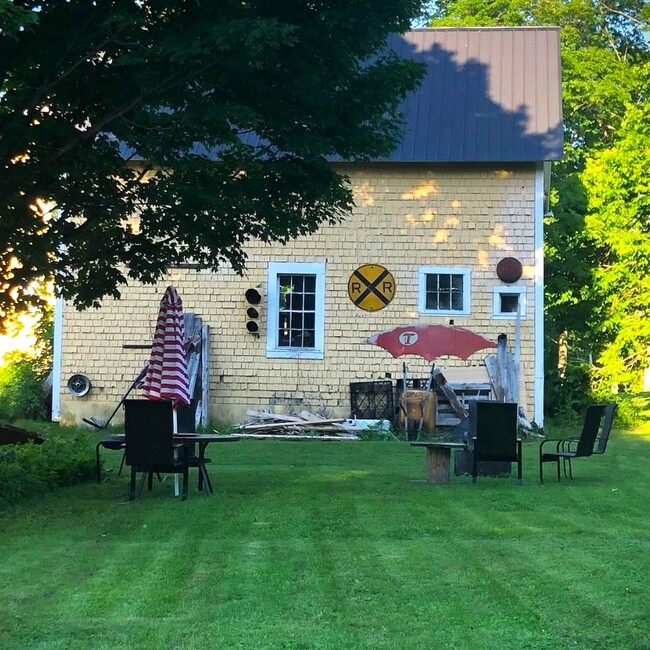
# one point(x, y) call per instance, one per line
point(603, 435)
point(150, 448)
point(597, 424)
point(493, 430)
point(114, 443)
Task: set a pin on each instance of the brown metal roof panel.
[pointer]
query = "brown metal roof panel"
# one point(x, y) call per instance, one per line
point(489, 94)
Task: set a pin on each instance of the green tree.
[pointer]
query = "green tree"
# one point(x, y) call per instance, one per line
point(236, 104)
point(618, 223)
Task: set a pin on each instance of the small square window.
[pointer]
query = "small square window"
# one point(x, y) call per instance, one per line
point(507, 300)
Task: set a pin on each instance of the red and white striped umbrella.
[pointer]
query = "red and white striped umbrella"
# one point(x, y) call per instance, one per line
point(167, 376)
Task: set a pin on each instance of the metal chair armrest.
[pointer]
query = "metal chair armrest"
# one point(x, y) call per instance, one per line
point(567, 442)
point(556, 441)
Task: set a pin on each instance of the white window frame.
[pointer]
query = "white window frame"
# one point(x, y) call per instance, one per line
point(444, 270)
point(500, 290)
point(273, 350)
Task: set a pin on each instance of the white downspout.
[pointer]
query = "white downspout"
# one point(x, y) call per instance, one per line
point(57, 346)
point(538, 361)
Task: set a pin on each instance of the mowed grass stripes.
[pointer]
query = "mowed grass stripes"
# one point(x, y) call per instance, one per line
point(337, 545)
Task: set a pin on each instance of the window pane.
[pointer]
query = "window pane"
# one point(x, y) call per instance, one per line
point(310, 283)
point(296, 302)
point(457, 292)
point(283, 329)
point(444, 292)
point(298, 282)
point(444, 300)
point(509, 302)
point(310, 302)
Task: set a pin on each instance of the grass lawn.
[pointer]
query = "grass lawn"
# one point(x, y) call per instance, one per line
point(337, 545)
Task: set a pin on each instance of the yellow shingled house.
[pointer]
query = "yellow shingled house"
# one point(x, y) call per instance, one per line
point(451, 220)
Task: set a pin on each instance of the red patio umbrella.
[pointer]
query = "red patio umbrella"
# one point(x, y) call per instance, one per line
point(167, 377)
point(431, 341)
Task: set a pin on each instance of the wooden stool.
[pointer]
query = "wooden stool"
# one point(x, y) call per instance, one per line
point(439, 459)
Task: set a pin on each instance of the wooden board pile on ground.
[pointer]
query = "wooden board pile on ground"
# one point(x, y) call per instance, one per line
point(303, 426)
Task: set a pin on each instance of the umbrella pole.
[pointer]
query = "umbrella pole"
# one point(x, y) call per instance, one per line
point(175, 431)
point(425, 401)
point(402, 402)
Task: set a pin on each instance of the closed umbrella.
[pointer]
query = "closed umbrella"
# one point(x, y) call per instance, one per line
point(167, 377)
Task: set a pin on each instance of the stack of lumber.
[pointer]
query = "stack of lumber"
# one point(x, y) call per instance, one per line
point(304, 426)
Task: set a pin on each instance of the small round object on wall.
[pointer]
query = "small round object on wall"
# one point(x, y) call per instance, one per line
point(509, 269)
point(79, 385)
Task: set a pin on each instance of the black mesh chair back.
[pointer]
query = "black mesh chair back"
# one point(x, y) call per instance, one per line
point(186, 417)
point(494, 425)
point(603, 435)
point(148, 431)
point(493, 428)
point(590, 430)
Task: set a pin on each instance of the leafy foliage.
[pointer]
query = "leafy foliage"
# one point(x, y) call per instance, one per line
point(619, 225)
point(65, 458)
point(569, 392)
point(22, 373)
point(236, 105)
point(21, 395)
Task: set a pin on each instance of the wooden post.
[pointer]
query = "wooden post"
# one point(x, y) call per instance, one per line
point(517, 361)
point(205, 375)
point(502, 368)
point(438, 464)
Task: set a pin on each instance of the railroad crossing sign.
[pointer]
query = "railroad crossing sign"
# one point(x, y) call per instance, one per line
point(371, 287)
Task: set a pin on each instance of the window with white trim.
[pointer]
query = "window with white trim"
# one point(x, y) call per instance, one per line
point(505, 301)
point(444, 291)
point(296, 307)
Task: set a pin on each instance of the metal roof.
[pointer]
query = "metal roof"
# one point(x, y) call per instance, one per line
point(490, 94)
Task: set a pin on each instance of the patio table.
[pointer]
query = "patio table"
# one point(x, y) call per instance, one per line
point(203, 440)
point(116, 442)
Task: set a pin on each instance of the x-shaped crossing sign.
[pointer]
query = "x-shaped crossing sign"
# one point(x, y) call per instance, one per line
point(371, 287)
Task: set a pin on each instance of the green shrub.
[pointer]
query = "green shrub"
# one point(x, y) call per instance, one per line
point(65, 458)
point(569, 394)
point(21, 394)
point(629, 407)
